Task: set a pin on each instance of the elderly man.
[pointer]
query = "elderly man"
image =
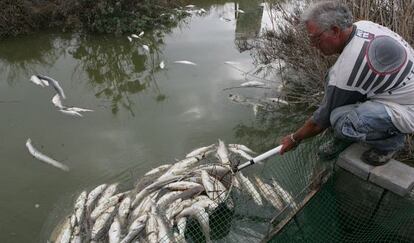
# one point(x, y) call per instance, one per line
point(369, 94)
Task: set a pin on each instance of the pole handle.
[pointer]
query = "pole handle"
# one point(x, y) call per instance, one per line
point(260, 157)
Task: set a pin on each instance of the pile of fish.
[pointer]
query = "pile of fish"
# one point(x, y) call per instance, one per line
point(158, 207)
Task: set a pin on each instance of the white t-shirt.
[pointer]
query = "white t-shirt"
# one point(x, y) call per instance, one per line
point(377, 65)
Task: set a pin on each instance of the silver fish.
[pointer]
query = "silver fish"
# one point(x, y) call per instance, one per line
point(65, 233)
point(145, 206)
point(112, 201)
point(181, 225)
point(135, 228)
point(163, 234)
point(129, 38)
point(162, 65)
point(241, 153)
point(53, 83)
point(151, 228)
point(214, 188)
point(134, 36)
point(284, 194)
point(253, 84)
point(242, 147)
point(71, 113)
point(93, 195)
point(182, 185)
point(158, 169)
point(124, 209)
point(222, 153)
point(249, 187)
point(146, 48)
point(269, 194)
point(202, 217)
point(141, 34)
point(199, 151)
point(101, 224)
point(80, 207)
point(77, 109)
point(114, 232)
point(57, 101)
point(278, 100)
point(38, 155)
point(185, 62)
point(166, 199)
point(109, 192)
point(37, 81)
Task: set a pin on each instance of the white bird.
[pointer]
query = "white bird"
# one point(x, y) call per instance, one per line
point(38, 155)
point(146, 48)
point(186, 62)
point(162, 65)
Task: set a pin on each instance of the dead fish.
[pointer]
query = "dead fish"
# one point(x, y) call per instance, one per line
point(225, 19)
point(182, 185)
point(213, 187)
point(111, 202)
point(146, 48)
point(242, 147)
point(163, 234)
point(241, 153)
point(240, 11)
point(141, 34)
point(253, 84)
point(284, 194)
point(202, 217)
point(114, 232)
point(134, 36)
point(80, 204)
point(38, 81)
point(162, 65)
point(109, 191)
point(53, 83)
point(199, 151)
point(151, 228)
point(249, 187)
point(93, 195)
point(158, 169)
point(222, 153)
point(56, 100)
point(65, 233)
point(38, 155)
point(72, 113)
point(129, 38)
point(124, 209)
point(190, 6)
point(185, 62)
point(135, 228)
point(269, 194)
point(100, 226)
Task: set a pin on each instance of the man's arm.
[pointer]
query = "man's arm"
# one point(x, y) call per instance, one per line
point(309, 129)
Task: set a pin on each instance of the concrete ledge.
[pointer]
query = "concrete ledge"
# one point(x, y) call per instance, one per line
point(393, 176)
point(350, 160)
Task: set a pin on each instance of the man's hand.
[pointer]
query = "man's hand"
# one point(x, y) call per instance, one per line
point(309, 129)
point(287, 144)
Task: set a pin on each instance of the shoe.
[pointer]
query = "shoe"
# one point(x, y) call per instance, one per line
point(376, 157)
point(332, 148)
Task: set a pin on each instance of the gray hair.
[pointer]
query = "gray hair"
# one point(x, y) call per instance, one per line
point(327, 14)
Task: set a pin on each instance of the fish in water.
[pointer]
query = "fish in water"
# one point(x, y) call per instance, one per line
point(134, 36)
point(74, 111)
point(146, 48)
point(252, 84)
point(190, 6)
point(38, 155)
point(240, 11)
point(38, 81)
point(162, 65)
point(141, 34)
point(129, 38)
point(55, 84)
point(185, 62)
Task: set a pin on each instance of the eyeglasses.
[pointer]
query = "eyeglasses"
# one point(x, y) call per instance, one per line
point(315, 39)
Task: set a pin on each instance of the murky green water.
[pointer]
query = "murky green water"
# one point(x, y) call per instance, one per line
point(143, 116)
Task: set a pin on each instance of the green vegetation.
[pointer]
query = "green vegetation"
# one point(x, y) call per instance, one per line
point(97, 16)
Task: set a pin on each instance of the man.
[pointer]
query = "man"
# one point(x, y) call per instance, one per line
point(369, 91)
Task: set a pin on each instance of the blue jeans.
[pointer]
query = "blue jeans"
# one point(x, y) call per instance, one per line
point(369, 123)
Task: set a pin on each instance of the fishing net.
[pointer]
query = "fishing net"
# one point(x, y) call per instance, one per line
point(295, 197)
